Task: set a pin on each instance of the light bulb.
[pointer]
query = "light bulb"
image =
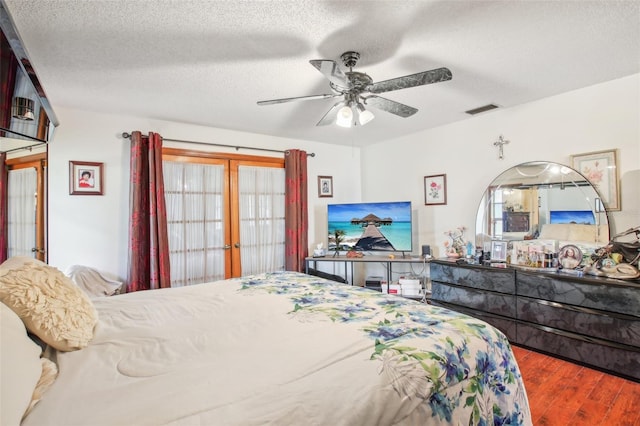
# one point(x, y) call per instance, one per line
point(345, 116)
point(364, 116)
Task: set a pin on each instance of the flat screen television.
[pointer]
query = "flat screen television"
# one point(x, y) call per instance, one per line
point(383, 226)
point(584, 217)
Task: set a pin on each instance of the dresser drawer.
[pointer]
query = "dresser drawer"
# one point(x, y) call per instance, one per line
point(490, 279)
point(622, 298)
point(482, 300)
point(617, 359)
point(620, 328)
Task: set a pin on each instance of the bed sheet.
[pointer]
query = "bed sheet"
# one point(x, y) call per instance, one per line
point(283, 349)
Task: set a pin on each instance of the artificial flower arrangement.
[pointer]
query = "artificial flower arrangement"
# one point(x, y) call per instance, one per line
point(457, 246)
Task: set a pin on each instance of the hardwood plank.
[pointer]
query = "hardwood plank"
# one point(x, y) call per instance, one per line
point(624, 410)
point(563, 393)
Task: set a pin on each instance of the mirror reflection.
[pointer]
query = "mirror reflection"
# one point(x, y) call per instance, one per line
point(541, 200)
point(27, 123)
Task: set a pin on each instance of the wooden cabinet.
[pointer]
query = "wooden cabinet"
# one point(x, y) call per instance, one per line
point(516, 221)
point(593, 321)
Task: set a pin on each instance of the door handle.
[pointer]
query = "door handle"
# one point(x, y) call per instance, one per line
point(37, 250)
point(226, 247)
point(237, 245)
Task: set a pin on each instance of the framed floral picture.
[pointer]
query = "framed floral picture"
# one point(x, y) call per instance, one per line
point(601, 169)
point(85, 178)
point(435, 190)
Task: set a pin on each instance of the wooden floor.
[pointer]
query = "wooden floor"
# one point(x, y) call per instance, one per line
point(562, 393)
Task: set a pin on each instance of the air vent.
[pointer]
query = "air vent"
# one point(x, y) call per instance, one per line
point(484, 108)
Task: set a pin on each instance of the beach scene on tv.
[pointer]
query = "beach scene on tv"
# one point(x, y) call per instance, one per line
point(384, 226)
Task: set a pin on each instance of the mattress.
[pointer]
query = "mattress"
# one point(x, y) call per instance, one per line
point(284, 349)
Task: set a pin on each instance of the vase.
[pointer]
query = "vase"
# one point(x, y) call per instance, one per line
point(453, 255)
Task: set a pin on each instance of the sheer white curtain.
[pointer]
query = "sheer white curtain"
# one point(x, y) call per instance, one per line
point(193, 194)
point(21, 198)
point(262, 234)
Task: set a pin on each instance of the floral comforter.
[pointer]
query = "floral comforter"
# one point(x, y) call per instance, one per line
point(284, 349)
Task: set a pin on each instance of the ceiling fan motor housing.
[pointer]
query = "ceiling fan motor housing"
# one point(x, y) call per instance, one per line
point(350, 59)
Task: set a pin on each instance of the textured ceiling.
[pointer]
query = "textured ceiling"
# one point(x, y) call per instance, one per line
point(209, 62)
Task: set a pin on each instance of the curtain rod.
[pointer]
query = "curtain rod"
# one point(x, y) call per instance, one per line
point(29, 147)
point(237, 147)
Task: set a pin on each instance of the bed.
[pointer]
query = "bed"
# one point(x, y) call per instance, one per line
point(279, 348)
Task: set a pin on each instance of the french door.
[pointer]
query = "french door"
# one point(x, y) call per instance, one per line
point(26, 199)
point(225, 215)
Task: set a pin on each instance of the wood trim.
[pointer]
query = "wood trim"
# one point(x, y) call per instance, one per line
point(39, 162)
point(198, 156)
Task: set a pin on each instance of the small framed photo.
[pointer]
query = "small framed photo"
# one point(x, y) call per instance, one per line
point(325, 186)
point(601, 169)
point(498, 251)
point(435, 190)
point(86, 178)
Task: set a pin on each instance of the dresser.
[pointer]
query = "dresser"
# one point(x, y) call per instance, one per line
point(590, 320)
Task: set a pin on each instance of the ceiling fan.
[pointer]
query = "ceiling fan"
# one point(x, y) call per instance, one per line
point(357, 89)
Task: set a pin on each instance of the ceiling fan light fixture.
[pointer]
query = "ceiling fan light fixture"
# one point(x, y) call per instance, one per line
point(364, 116)
point(345, 116)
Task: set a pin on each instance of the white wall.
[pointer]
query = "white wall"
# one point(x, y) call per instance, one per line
point(93, 230)
point(604, 116)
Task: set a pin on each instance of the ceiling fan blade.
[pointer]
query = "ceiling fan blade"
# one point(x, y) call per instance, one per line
point(332, 71)
point(419, 79)
point(331, 115)
point(299, 98)
point(388, 105)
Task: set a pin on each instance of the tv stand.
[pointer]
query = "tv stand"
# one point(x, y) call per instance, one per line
point(390, 264)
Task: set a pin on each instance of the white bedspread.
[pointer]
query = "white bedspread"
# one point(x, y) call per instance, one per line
point(283, 349)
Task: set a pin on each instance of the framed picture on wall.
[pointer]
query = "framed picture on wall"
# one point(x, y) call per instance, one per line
point(601, 169)
point(325, 186)
point(435, 190)
point(86, 178)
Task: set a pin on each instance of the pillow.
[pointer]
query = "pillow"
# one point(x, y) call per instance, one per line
point(48, 376)
point(51, 306)
point(580, 232)
point(554, 231)
point(20, 368)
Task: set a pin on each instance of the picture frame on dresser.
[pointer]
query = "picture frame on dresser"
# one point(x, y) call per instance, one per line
point(498, 251)
point(601, 170)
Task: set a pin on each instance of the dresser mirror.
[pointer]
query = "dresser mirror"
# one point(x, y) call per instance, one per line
point(538, 200)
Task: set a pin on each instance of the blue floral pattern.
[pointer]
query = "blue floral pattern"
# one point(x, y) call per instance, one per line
point(460, 367)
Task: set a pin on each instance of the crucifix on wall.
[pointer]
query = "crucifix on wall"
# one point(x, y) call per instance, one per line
point(500, 143)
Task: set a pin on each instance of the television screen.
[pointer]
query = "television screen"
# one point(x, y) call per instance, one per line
point(384, 226)
point(584, 217)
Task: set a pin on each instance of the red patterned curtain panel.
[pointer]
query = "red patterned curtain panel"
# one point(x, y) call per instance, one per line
point(296, 216)
point(8, 69)
point(148, 242)
point(4, 187)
